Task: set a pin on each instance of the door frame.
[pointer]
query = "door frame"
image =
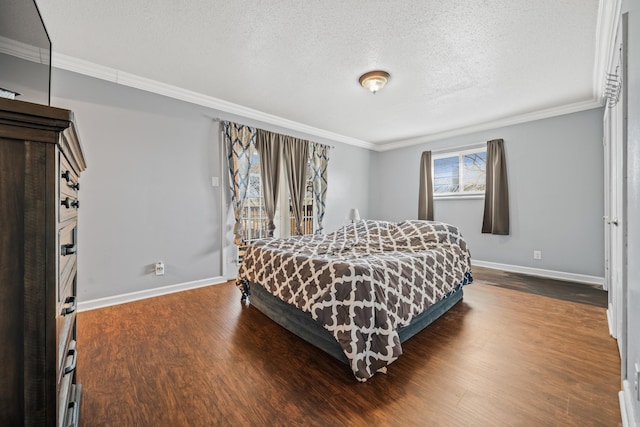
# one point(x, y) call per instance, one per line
point(615, 182)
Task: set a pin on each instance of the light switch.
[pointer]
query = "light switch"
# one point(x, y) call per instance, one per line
point(215, 181)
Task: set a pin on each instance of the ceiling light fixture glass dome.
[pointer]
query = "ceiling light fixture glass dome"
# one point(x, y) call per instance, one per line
point(373, 81)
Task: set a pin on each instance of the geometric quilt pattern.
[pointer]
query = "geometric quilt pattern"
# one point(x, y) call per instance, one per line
point(364, 281)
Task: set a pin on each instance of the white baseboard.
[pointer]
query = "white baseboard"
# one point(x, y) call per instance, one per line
point(148, 293)
point(626, 410)
point(610, 321)
point(552, 274)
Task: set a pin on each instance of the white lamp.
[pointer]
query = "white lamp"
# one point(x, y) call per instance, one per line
point(354, 215)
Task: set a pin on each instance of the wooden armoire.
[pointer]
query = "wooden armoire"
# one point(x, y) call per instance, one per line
point(40, 164)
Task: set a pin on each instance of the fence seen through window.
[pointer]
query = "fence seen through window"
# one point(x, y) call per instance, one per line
point(254, 216)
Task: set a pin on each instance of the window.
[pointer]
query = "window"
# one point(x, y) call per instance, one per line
point(307, 208)
point(254, 217)
point(460, 173)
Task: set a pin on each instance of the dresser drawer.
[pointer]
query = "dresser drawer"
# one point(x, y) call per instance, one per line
point(66, 386)
point(67, 264)
point(68, 208)
point(69, 184)
point(66, 287)
point(73, 408)
point(66, 325)
point(68, 187)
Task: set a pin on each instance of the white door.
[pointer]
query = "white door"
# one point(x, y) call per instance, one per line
point(615, 165)
point(606, 144)
point(612, 219)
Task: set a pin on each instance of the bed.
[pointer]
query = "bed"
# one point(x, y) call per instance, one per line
point(359, 292)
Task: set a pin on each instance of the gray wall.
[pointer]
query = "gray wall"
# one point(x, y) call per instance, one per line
point(555, 169)
point(29, 79)
point(147, 194)
point(633, 205)
point(349, 172)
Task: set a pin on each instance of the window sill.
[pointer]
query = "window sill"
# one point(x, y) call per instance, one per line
point(459, 197)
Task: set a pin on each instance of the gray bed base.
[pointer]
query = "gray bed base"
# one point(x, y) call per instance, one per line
point(303, 325)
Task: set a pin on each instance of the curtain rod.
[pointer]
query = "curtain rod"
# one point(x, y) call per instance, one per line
point(218, 119)
point(459, 147)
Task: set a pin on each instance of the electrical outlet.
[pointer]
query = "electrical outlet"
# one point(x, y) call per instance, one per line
point(159, 268)
point(537, 254)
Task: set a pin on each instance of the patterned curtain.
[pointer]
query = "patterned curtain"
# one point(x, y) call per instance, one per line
point(238, 139)
point(496, 195)
point(319, 155)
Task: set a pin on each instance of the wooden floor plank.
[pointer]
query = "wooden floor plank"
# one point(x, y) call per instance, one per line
point(506, 355)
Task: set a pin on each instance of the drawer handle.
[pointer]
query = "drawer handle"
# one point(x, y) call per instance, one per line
point(70, 203)
point(67, 177)
point(74, 407)
point(72, 366)
point(70, 248)
point(72, 307)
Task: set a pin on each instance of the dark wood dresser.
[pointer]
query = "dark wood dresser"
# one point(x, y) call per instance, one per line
point(40, 163)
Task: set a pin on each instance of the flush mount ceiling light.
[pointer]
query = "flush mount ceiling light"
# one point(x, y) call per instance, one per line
point(373, 81)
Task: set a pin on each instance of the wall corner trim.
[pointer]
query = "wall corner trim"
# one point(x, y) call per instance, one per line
point(552, 274)
point(610, 321)
point(148, 293)
point(625, 397)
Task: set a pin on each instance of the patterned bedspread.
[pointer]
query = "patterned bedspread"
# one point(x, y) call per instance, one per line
point(364, 281)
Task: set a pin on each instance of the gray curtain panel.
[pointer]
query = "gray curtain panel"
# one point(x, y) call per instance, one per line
point(238, 139)
point(296, 154)
point(425, 196)
point(496, 196)
point(319, 161)
point(268, 146)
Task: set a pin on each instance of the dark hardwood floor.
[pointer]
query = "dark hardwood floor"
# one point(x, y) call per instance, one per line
point(559, 289)
point(500, 357)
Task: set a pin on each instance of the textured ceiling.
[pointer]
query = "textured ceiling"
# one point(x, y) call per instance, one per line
point(453, 63)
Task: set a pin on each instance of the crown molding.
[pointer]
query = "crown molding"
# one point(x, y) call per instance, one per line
point(24, 51)
point(606, 29)
point(608, 17)
point(120, 77)
point(494, 124)
point(80, 66)
point(607, 24)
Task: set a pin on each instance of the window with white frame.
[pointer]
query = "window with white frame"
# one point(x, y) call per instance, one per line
point(308, 223)
point(254, 216)
point(461, 173)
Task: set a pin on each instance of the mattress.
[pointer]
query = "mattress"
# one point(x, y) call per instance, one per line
point(303, 325)
point(362, 283)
